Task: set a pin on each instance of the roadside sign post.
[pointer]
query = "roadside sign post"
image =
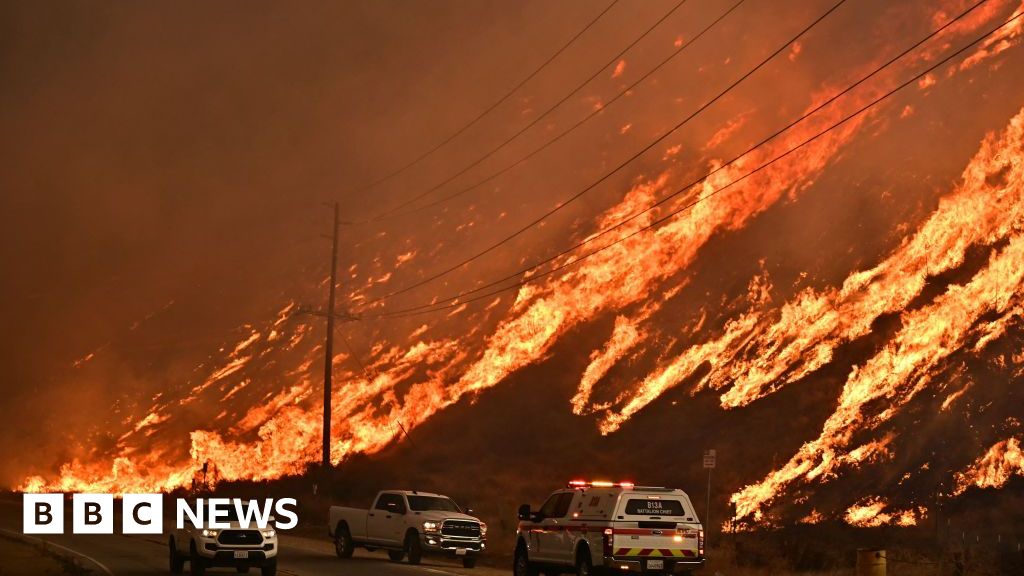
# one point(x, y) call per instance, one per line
point(709, 464)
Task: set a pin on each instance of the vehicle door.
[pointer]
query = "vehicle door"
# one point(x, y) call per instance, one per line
point(552, 537)
point(385, 521)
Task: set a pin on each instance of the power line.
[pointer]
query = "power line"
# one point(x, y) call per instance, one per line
point(487, 110)
point(626, 162)
point(370, 378)
point(396, 211)
point(431, 308)
point(571, 128)
point(355, 356)
point(735, 159)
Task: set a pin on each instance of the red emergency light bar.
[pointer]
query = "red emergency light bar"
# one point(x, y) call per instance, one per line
point(599, 484)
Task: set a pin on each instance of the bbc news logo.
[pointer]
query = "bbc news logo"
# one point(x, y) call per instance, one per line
point(143, 513)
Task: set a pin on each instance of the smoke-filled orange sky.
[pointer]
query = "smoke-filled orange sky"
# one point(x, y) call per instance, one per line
point(167, 165)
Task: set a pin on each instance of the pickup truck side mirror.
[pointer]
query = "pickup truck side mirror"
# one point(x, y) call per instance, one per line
point(469, 511)
point(524, 512)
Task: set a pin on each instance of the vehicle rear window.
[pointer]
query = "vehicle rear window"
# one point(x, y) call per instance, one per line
point(654, 507)
point(391, 503)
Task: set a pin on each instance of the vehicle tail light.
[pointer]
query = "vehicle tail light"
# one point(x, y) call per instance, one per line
point(607, 540)
point(700, 542)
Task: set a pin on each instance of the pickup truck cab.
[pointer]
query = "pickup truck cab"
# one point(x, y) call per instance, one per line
point(602, 526)
point(237, 547)
point(409, 524)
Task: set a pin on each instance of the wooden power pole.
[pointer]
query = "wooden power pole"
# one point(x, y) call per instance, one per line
point(329, 344)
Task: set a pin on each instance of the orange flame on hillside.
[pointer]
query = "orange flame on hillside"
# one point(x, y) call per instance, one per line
point(873, 511)
point(993, 470)
point(901, 370)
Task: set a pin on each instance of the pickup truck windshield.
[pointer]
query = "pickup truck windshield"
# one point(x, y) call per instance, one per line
point(424, 503)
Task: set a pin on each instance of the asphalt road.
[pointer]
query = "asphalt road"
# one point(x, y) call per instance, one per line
point(140, 555)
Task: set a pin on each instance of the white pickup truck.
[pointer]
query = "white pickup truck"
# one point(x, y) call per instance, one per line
point(617, 527)
point(409, 524)
point(207, 547)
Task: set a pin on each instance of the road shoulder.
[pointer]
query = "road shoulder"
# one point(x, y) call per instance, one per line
point(22, 556)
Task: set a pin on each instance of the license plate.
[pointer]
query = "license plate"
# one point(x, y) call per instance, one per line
point(460, 551)
point(655, 564)
point(241, 554)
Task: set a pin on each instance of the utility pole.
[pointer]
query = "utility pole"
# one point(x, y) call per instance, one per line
point(332, 315)
point(329, 344)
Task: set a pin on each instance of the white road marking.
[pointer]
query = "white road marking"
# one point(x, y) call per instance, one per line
point(99, 564)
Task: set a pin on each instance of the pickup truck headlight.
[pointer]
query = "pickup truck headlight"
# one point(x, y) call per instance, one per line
point(483, 529)
point(429, 526)
point(209, 533)
point(269, 533)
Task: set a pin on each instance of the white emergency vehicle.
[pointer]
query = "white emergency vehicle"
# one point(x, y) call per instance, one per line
point(611, 527)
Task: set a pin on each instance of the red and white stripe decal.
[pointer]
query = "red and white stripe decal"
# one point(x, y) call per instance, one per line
point(659, 552)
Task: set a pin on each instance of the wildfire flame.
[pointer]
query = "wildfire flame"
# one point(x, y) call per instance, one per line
point(994, 469)
point(871, 512)
point(903, 368)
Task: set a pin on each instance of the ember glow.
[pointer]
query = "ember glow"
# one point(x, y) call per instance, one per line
point(685, 296)
point(993, 470)
point(872, 512)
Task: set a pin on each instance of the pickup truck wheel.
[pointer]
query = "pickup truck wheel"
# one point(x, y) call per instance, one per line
point(269, 569)
point(413, 548)
point(521, 565)
point(396, 555)
point(197, 564)
point(468, 561)
point(343, 545)
point(177, 560)
point(583, 565)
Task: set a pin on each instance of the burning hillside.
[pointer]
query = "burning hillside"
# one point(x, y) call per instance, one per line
point(734, 273)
